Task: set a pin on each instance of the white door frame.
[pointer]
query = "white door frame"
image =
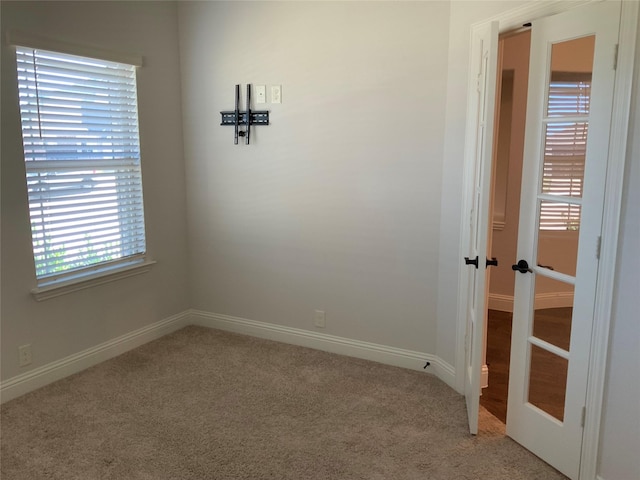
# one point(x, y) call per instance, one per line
point(610, 223)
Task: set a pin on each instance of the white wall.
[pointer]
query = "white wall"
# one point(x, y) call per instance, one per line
point(335, 205)
point(620, 439)
point(65, 325)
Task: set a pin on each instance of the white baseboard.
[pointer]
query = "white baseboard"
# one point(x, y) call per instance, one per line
point(46, 374)
point(504, 303)
point(484, 377)
point(330, 343)
point(554, 300)
point(41, 376)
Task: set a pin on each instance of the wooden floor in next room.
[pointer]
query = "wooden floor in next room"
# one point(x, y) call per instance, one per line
point(548, 372)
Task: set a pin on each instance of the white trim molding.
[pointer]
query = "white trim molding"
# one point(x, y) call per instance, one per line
point(504, 303)
point(329, 343)
point(41, 376)
point(603, 308)
point(100, 277)
point(513, 19)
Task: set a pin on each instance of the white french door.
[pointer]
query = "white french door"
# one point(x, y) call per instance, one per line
point(571, 78)
point(481, 111)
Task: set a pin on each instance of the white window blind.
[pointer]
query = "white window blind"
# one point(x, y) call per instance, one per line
point(565, 150)
point(82, 156)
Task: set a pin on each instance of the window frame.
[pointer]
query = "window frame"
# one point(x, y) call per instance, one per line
point(98, 273)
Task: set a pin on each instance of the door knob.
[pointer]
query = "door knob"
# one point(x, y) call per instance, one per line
point(468, 261)
point(493, 262)
point(522, 266)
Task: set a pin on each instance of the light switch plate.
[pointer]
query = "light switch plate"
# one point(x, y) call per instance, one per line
point(276, 93)
point(319, 318)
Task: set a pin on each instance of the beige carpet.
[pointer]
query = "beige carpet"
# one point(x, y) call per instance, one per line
point(204, 404)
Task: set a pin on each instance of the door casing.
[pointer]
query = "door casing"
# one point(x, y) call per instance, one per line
point(511, 20)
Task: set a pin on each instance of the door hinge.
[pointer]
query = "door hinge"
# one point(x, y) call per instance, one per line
point(615, 57)
point(584, 416)
point(598, 246)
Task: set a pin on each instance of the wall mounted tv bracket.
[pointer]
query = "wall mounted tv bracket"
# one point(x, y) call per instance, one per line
point(248, 118)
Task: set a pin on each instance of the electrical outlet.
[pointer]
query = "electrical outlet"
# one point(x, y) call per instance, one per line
point(261, 94)
point(24, 355)
point(319, 318)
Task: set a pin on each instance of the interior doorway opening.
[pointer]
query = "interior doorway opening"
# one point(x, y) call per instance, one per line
point(559, 223)
point(572, 443)
point(511, 106)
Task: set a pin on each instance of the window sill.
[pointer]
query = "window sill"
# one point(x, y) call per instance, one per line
point(99, 278)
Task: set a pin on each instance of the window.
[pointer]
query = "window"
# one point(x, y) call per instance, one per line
point(82, 156)
point(565, 149)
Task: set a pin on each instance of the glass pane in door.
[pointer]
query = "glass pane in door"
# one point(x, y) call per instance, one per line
point(558, 234)
point(548, 381)
point(553, 309)
point(570, 77)
point(564, 156)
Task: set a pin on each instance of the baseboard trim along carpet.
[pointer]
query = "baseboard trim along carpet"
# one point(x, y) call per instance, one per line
point(329, 343)
point(46, 374)
point(41, 376)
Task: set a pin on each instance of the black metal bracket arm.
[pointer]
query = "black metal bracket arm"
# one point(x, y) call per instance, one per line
point(257, 118)
point(245, 118)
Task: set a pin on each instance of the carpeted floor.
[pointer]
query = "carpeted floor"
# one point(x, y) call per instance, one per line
point(205, 404)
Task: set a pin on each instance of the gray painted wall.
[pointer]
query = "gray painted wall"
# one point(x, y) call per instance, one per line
point(65, 325)
point(349, 202)
point(336, 205)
